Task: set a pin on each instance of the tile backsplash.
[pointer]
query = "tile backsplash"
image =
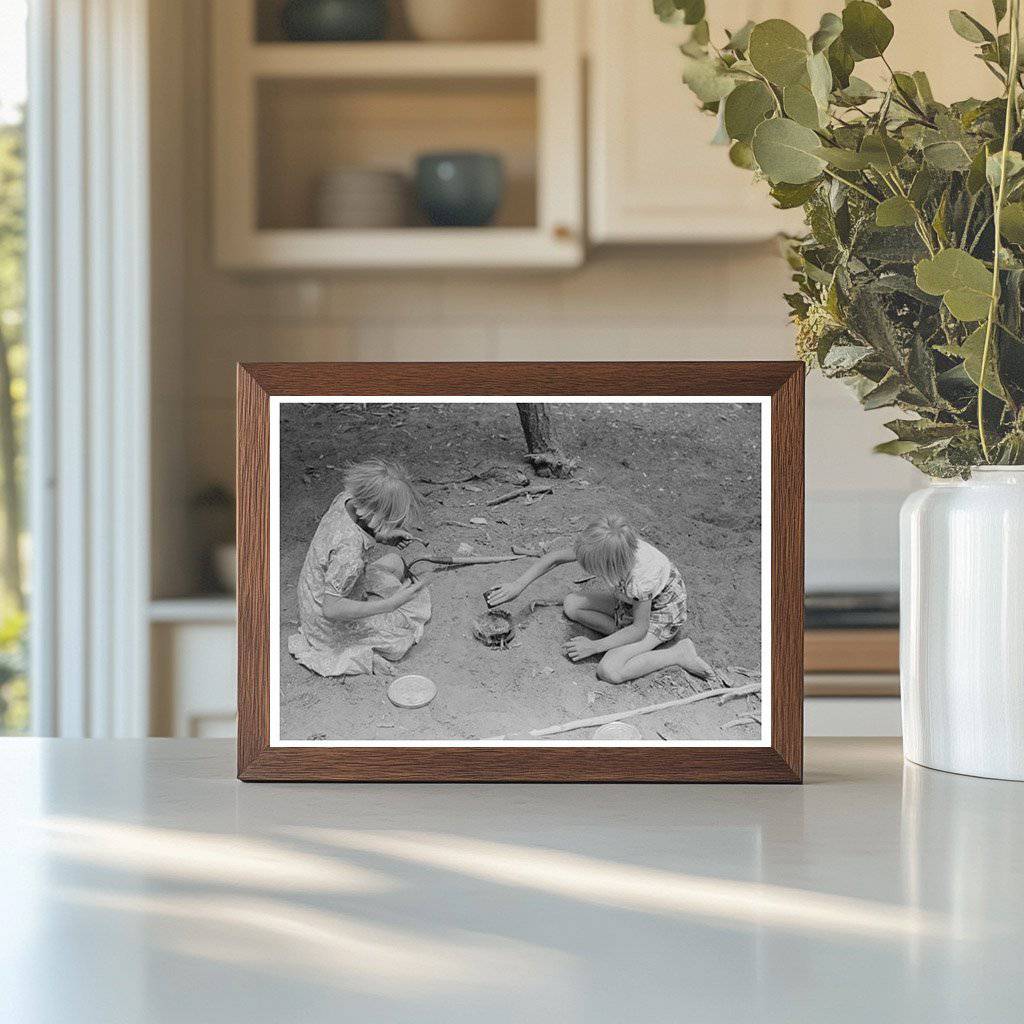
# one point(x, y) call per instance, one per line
point(708, 303)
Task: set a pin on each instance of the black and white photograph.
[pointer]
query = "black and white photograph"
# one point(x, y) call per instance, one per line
point(463, 571)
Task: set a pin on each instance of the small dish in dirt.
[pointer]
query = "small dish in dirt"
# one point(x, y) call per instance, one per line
point(411, 692)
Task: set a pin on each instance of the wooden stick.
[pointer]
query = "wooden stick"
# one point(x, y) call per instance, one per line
point(465, 559)
point(520, 493)
point(743, 720)
point(730, 694)
point(585, 723)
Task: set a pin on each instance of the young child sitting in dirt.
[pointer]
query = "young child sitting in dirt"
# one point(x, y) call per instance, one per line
point(356, 616)
point(643, 607)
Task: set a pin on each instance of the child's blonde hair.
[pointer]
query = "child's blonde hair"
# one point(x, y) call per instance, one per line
point(383, 487)
point(607, 548)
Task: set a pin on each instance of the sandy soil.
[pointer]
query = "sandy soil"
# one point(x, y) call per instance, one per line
point(686, 476)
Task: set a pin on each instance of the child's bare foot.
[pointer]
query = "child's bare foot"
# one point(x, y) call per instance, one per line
point(382, 667)
point(686, 657)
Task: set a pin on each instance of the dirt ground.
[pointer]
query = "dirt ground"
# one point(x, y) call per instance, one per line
point(686, 476)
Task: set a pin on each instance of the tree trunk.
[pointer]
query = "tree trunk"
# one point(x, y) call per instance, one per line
point(10, 492)
point(545, 454)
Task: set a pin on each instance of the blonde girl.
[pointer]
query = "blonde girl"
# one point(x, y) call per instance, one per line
point(641, 608)
point(356, 616)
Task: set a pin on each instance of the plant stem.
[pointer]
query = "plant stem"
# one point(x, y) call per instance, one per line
point(1011, 108)
point(853, 185)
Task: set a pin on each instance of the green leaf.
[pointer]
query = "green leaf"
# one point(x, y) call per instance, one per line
point(841, 63)
point(969, 28)
point(905, 84)
point(665, 10)
point(999, 9)
point(922, 185)
point(779, 51)
point(883, 152)
point(895, 447)
point(976, 173)
point(866, 29)
point(819, 74)
point(745, 108)
point(858, 91)
point(939, 220)
point(885, 394)
point(971, 351)
point(690, 12)
point(707, 78)
point(701, 34)
point(844, 159)
point(787, 151)
point(739, 41)
point(788, 197)
point(741, 155)
point(924, 88)
point(829, 30)
point(993, 167)
point(1012, 224)
point(963, 281)
point(801, 106)
point(895, 212)
point(947, 156)
point(923, 431)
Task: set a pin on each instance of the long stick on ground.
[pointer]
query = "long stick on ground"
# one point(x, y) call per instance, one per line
point(464, 559)
point(522, 492)
point(584, 723)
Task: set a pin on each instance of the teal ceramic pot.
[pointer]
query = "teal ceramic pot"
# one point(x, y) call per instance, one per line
point(334, 21)
point(460, 189)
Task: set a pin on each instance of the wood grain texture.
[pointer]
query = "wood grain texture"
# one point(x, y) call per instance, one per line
point(781, 762)
point(852, 650)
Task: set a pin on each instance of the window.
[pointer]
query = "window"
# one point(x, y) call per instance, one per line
point(14, 692)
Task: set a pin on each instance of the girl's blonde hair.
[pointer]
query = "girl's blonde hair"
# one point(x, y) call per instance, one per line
point(383, 487)
point(607, 548)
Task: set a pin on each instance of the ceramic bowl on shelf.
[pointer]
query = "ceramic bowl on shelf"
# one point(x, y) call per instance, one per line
point(334, 21)
point(470, 20)
point(460, 189)
point(362, 197)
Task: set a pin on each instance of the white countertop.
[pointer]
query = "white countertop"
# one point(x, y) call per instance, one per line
point(140, 882)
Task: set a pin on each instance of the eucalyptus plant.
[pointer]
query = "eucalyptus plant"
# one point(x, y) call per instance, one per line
point(910, 278)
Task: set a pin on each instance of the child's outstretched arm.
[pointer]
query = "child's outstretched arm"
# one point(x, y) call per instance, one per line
point(344, 609)
point(510, 591)
point(579, 647)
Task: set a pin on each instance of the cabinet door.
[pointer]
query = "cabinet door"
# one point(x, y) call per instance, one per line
point(654, 176)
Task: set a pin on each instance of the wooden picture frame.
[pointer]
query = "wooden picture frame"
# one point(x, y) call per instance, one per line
point(780, 759)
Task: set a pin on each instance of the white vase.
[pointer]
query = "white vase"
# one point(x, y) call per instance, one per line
point(962, 624)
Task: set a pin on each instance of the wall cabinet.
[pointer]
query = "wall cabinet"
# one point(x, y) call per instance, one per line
point(286, 114)
point(653, 177)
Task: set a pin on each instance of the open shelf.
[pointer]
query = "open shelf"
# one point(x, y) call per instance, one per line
point(309, 127)
point(286, 114)
point(520, 22)
point(393, 60)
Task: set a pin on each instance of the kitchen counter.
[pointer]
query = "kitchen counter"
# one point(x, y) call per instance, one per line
point(140, 882)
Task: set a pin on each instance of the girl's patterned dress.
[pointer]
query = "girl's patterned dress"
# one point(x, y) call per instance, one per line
point(653, 578)
point(336, 564)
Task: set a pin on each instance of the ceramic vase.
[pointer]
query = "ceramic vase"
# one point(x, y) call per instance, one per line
point(962, 624)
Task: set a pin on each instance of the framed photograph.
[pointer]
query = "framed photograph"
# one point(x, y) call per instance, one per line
point(575, 572)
